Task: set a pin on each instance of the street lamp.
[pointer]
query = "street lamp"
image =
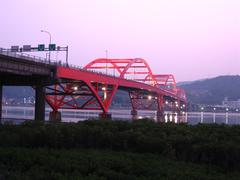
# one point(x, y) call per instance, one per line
point(75, 88)
point(149, 97)
point(202, 109)
point(214, 115)
point(106, 51)
point(104, 89)
point(50, 41)
point(227, 115)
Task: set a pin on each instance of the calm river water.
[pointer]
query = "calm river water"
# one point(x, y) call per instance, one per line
point(19, 114)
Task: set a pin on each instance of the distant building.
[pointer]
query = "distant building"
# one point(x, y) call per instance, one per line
point(231, 104)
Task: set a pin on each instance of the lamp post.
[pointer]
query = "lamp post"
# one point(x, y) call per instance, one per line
point(227, 115)
point(202, 109)
point(50, 41)
point(214, 115)
point(106, 51)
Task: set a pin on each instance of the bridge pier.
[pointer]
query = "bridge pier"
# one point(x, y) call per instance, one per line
point(105, 116)
point(55, 116)
point(175, 118)
point(39, 103)
point(169, 118)
point(1, 103)
point(160, 116)
point(179, 117)
point(160, 109)
point(134, 114)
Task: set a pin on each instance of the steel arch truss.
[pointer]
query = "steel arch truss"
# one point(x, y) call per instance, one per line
point(134, 69)
point(163, 81)
point(181, 94)
point(80, 95)
point(84, 89)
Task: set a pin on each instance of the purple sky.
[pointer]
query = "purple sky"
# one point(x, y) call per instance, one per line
point(191, 39)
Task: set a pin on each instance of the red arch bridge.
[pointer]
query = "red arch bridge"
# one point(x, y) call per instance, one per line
point(94, 86)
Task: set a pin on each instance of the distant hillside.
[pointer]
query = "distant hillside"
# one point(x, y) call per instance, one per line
point(18, 91)
point(214, 90)
point(183, 83)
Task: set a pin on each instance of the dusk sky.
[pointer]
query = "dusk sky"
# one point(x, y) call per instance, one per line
point(192, 39)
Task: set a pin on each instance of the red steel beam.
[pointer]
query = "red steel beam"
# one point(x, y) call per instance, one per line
point(87, 76)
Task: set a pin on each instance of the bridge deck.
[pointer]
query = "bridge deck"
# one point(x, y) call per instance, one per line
point(75, 74)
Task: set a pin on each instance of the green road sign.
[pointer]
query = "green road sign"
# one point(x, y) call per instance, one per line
point(41, 47)
point(52, 47)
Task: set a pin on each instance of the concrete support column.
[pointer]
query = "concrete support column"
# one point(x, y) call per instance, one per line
point(105, 116)
point(160, 116)
point(39, 103)
point(179, 116)
point(134, 114)
point(169, 117)
point(175, 118)
point(160, 109)
point(1, 93)
point(55, 116)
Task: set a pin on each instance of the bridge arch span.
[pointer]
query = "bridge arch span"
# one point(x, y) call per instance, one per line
point(135, 69)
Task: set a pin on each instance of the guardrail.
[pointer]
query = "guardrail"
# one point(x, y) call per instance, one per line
point(24, 56)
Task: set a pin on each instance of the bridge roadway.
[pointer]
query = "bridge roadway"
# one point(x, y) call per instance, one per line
point(69, 87)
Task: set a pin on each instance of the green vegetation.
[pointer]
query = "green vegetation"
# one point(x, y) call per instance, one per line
point(22, 163)
point(119, 150)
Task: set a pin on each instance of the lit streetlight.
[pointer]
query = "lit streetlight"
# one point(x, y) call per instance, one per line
point(75, 88)
point(50, 41)
point(104, 89)
point(227, 115)
point(106, 51)
point(214, 115)
point(149, 97)
point(202, 109)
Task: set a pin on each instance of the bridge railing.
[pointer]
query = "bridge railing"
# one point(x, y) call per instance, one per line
point(46, 61)
point(24, 56)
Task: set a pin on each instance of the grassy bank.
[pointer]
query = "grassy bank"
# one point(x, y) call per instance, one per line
point(25, 163)
point(120, 150)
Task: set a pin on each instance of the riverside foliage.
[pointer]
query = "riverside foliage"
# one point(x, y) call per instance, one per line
point(119, 149)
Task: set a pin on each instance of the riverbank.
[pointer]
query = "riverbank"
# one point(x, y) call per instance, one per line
point(119, 150)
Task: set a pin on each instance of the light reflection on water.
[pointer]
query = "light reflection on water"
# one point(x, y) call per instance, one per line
point(27, 113)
